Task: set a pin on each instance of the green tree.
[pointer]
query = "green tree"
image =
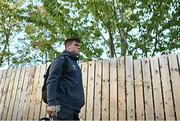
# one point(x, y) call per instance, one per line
point(138, 28)
point(10, 26)
point(114, 28)
point(16, 46)
point(50, 25)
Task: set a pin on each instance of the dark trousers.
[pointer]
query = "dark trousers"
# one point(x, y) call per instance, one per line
point(66, 113)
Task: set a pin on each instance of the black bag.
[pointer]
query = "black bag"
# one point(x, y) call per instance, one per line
point(44, 90)
point(45, 119)
point(46, 75)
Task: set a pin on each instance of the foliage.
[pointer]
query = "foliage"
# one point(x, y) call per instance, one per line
point(10, 26)
point(138, 28)
point(112, 28)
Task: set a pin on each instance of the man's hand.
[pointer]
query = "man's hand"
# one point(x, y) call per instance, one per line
point(51, 111)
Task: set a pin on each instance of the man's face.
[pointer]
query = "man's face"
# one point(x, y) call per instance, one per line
point(74, 47)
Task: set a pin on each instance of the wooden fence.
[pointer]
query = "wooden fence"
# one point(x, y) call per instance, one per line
point(115, 89)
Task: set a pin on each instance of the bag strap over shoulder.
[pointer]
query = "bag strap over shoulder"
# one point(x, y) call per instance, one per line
point(47, 72)
point(65, 65)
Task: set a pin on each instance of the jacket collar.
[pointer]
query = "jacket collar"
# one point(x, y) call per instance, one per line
point(71, 55)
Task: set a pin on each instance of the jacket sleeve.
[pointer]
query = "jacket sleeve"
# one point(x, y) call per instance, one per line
point(55, 74)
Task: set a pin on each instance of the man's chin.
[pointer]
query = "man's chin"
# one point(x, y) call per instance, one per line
point(77, 54)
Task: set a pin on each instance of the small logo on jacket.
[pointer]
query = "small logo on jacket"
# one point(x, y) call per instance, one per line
point(74, 67)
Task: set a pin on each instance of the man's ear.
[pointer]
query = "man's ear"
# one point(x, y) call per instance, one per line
point(66, 46)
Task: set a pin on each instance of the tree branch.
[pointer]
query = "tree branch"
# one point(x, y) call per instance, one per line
point(122, 35)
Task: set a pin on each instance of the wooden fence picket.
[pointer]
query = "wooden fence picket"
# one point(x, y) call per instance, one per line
point(113, 89)
point(157, 89)
point(148, 97)
point(122, 112)
point(23, 97)
point(97, 90)
point(13, 98)
point(175, 78)
point(105, 90)
point(139, 92)
point(38, 101)
point(130, 88)
point(8, 94)
point(84, 68)
point(90, 92)
point(29, 93)
point(4, 92)
point(166, 88)
point(1, 74)
point(34, 92)
point(18, 94)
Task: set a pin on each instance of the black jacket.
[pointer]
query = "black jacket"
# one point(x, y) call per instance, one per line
point(64, 86)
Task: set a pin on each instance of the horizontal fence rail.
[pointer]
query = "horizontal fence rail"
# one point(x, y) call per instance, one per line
point(115, 89)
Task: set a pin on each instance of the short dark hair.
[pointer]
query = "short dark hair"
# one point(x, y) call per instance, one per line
point(69, 40)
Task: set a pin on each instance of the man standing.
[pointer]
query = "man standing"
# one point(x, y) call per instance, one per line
point(65, 95)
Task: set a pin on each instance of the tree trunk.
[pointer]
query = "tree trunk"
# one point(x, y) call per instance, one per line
point(123, 39)
point(123, 42)
point(111, 46)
